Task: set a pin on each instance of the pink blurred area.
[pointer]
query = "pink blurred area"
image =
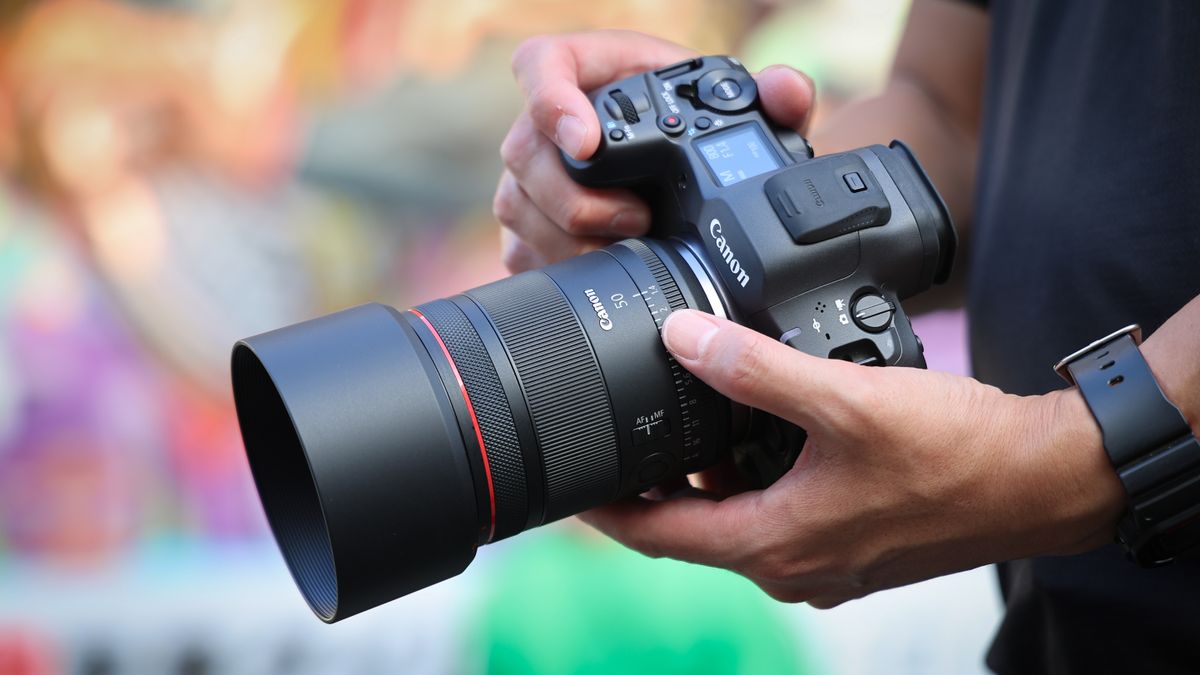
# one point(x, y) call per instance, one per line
point(177, 175)
point(944, 335)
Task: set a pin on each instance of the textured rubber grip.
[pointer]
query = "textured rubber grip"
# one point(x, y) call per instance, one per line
point(567, 398)
point(492, 409)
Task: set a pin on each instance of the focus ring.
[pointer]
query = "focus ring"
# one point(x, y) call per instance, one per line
point(492, 410)
point(568, 401)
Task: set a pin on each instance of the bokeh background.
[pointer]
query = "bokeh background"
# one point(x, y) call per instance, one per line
point(176, 175)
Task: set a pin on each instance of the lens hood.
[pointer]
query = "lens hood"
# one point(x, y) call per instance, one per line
point(357, 457)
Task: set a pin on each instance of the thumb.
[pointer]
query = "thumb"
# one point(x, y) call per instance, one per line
point(753, 369)
point(787, 96)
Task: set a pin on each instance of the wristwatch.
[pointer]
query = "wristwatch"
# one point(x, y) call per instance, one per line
point(1149, 442)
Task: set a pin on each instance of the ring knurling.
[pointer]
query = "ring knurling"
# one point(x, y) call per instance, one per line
point(568, 401)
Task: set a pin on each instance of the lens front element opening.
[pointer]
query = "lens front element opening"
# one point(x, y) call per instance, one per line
point(285, 483)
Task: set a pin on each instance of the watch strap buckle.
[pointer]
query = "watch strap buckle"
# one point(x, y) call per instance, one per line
point(1063, 367)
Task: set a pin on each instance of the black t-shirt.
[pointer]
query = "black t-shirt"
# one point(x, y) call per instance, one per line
point(1087, 219)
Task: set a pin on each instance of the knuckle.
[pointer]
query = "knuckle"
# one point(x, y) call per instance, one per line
point(773, 558)
point(515, 257)
point(857, 401)
point(505, 203)
point(517, 149)
point(779, 563)
point(542, 103)
point(529, 50)
point(765, 565)
point(576, 216)
point(508, 258)
point(586, 246)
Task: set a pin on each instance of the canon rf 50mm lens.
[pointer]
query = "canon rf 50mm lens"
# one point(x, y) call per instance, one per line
point(386, 446)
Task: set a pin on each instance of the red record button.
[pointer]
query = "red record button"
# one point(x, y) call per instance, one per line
point(672, 124)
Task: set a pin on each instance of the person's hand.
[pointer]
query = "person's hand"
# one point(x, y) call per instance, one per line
point(547, 217)
point(907, 474)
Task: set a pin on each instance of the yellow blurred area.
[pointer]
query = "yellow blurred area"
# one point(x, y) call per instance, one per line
point(95, 87)
point(102, 101)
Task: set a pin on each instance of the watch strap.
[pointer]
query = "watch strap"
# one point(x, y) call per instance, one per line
point(1149, 442)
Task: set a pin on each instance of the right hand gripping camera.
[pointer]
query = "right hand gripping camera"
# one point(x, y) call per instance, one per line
point(387, 446)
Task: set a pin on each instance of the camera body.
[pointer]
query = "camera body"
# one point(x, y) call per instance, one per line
point(816, 252)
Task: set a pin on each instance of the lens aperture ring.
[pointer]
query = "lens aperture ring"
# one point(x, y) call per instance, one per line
point(502, 447)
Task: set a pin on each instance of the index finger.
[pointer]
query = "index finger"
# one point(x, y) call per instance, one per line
point(693, 529)
point(554, 72)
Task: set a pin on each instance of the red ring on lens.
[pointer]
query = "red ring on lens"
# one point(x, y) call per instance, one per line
point(474, 420)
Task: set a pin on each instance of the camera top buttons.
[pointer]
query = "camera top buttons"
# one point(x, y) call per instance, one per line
point(672, 124)
point(613, 110)
point(873, 312)
point(702, 123)
point(726, 90)
point(616, 135)
point(621, 106)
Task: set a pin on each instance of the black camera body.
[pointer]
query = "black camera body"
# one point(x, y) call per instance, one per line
point(387, 446)
point(815, 252)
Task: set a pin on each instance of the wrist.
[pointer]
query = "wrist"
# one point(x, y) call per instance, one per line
point(1085, 496)
point(1174, 381)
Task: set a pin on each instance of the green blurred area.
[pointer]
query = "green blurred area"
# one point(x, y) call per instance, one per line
point(572, 602)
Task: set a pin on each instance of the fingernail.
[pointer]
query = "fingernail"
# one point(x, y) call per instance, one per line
point(631, 223)
point(686, 333)
point(569, 133)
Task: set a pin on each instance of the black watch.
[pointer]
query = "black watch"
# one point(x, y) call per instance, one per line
point(1151, 446)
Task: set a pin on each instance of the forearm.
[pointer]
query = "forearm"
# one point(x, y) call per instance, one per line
point(903, 111)
point(932, 102)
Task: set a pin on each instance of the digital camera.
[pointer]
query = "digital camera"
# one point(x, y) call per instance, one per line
point(387, 446)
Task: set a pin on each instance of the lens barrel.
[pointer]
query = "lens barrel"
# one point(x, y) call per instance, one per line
point(387, 446)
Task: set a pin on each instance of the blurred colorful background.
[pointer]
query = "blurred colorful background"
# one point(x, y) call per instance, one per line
point(175, 175)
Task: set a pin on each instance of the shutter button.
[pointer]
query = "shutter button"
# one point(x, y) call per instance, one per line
point(727, 89)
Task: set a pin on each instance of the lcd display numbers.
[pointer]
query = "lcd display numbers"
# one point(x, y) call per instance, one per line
point(737, 154)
